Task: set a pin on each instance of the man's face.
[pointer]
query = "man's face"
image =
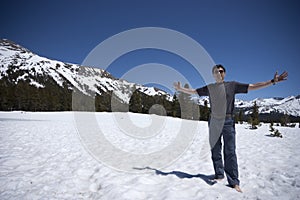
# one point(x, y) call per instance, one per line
point(219, 74)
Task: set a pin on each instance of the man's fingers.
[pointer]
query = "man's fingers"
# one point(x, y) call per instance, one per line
point(276, 76)
point(283, 73)
point(283, 76)
point(176, 85)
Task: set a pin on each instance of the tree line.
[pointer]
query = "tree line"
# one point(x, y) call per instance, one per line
point(25, 96)
point(181, 106)
point(22, 95)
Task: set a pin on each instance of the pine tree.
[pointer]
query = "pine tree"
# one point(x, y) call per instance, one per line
point(284, 120)
point(271, 127)
point(135, 103)
point(195, 111)
point(186, 104)
point(175, 106)
point(241, 116)
point(250, 121)
point(204, 112)
point(254, 116)
point(236, 119)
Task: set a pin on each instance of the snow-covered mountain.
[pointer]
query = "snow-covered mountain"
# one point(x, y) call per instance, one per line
point(20, 64)
point(289, 105)
point(28, 66)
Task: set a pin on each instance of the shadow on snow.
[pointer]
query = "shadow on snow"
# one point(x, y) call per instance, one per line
point(206, 178)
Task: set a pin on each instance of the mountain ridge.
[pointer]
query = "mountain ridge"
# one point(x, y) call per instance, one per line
point(289, 105)
point(12, 54)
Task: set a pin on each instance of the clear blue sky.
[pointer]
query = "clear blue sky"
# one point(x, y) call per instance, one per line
point(251, 38)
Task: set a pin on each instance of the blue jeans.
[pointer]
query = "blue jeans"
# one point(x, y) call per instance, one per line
point(230, 160)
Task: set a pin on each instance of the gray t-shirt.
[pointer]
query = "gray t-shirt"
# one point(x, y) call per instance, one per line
point(222, 96)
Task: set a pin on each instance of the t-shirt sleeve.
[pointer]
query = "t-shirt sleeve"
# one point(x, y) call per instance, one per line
point(241, 87)
point(202, 91)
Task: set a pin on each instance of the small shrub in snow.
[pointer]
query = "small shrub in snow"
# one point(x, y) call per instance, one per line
point(275, 132)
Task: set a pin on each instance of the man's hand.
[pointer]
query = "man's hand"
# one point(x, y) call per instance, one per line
point(177, 85)
point(281, 77)
point(277, 78)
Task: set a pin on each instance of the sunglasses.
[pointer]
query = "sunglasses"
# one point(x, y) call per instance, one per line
point(219, 71)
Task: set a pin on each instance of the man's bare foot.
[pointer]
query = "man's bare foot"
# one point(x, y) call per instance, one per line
point(237, 188)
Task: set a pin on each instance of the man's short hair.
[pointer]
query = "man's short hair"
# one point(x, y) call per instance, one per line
point(217, 67)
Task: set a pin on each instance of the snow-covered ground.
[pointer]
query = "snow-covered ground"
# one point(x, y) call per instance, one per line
point(42, 157)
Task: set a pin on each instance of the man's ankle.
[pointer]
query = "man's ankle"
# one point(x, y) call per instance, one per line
point(218, 177)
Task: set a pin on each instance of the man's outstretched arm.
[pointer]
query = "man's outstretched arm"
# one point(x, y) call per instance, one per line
point(277, 78)
point(184, 90)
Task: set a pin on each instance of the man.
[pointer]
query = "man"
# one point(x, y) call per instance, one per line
point(221, 124)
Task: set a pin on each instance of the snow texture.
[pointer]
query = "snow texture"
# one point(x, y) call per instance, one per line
point(42, 157)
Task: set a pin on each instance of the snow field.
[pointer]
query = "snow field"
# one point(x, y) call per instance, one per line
point(41, 157)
